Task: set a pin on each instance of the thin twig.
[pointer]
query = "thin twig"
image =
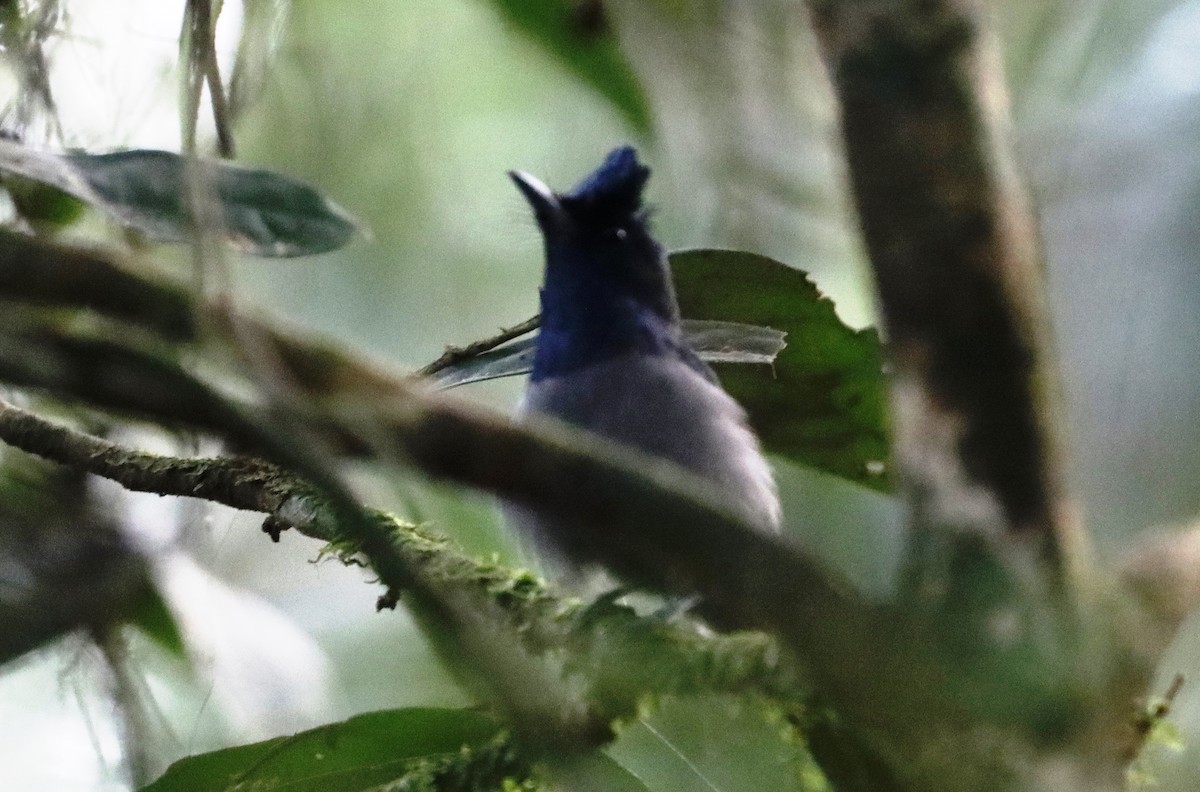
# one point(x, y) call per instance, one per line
point(454, 355)
point(129, 709)
point(195, 13)
point(222, 118)
point(262, 27)
point(239, 482)
point(1157, 710)
point(199, 51)
point(24, 42)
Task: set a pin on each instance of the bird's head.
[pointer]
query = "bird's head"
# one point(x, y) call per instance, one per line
point(602, 265)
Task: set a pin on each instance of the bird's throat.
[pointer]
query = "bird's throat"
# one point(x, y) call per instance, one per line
point(582, 327)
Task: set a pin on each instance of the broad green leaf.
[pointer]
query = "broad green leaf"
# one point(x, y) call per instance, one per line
point(262, 213)
point(358, 754)
point(715, 342)
point(577, 35)
point(822, 403)
point(714, 742)
point(599, 771)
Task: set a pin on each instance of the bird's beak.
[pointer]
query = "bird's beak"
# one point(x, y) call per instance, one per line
point(545, 203)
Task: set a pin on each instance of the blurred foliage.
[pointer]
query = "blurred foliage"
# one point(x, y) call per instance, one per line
point(64, 563)
point(152, 615)
point(579, 35)
point(259, 213)
point(715, 742)
point(1065, 53)
point(45, 207)
point(25, 29)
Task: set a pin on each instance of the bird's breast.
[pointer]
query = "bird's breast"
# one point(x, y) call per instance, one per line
point(663, 406)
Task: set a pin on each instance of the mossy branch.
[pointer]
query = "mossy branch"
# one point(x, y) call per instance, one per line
point(622, 655)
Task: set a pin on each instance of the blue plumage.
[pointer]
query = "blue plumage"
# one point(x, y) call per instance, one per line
point(614, 190)
point(610, 356)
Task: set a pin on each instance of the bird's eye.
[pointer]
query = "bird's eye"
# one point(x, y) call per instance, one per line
point(619, 234)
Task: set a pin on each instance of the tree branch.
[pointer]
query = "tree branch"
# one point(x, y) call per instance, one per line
point(647, 519)
point(43, 273)
point(625, 655)
point(953, 244)
point(454, 355)
point(239, 482)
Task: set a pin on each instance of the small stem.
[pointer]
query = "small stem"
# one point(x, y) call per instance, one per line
point(129, 707)
point(1154, 714)
point(199, 52)
point(454, 355)
point(222, 119)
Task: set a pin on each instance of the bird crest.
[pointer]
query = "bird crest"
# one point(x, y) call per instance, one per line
point(610, 193)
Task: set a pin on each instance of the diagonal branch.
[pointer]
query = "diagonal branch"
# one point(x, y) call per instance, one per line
point(617, 641)
point(647, 519)
point(454, 355)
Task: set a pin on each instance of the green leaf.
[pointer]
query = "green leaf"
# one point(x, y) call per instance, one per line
point(577, 35)
point(712, 742)
point(715, 342)
point(357, 754)
point(153, 617)
point(262, 213)
point(599, 771)
point(42, 205)
point(822, 403)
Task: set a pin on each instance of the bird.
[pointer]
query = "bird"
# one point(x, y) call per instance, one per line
point(610, 354)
